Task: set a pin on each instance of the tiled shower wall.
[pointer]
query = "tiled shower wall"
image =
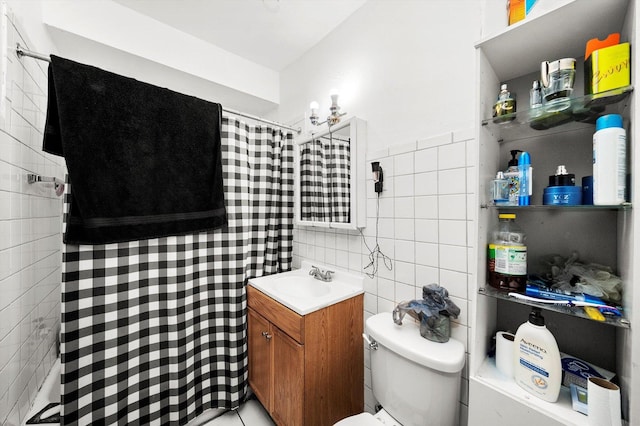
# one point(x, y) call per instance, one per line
point(30, 224)
point(425, 226)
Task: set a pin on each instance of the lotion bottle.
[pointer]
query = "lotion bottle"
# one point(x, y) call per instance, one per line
point(609, 161)
point(537, 365)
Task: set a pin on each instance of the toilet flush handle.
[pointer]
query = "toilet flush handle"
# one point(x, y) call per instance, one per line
point(371, 342)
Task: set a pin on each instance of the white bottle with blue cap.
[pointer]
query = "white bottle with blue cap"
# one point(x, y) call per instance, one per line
point(609, 161)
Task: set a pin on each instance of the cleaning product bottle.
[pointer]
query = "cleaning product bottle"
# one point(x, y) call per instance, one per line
point(507, 256)
point(525, 175)
point(537, 364)
point(512, 175)
point(609, 161)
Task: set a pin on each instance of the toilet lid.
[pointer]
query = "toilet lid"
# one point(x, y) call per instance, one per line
point(362, 419)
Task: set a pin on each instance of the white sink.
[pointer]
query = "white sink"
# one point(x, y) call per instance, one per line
point(304, 287)
point(302, 293)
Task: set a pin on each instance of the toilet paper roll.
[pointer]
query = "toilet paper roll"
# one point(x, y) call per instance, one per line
point(603, 403)
point(504, 353)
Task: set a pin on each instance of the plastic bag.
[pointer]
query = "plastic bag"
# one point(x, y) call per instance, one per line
point(597, 280)
point(433, 312)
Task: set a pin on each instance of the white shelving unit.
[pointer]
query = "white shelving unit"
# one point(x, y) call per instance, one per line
point(604, 235)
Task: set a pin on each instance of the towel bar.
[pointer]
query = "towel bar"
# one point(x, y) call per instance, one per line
point(57, 183)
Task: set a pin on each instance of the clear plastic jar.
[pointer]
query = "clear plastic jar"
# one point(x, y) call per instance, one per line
point(507, 256)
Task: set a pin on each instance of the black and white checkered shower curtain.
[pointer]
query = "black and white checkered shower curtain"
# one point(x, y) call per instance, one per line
point(153, 331)
point(325, 180)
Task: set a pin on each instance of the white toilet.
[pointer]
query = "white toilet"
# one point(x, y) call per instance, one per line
point(416, 381)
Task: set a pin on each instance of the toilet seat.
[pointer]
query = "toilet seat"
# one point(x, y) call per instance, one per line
point(362, 419)
point(367, 419)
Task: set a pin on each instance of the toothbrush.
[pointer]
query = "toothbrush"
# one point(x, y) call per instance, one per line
point(600, 306)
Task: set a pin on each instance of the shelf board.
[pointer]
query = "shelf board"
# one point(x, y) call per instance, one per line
point(580, 207)
point(518, 49)
point(582, 112)
point(575, 311)
point(489, 376)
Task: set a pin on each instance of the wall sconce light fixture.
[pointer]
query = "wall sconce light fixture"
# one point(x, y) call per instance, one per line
point(334, 116)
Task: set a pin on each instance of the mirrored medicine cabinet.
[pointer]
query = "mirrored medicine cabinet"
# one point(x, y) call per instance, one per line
point(330, 176)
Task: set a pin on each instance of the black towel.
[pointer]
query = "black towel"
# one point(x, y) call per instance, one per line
point(143, 161)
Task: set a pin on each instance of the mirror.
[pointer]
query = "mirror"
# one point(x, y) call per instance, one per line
point(330, 176)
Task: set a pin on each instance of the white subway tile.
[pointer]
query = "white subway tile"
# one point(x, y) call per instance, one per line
point(452, 156)
point(386, 228)
point(403, 186)
point(426, 207)
point(404, 292)
point(427, 254)
point(426, 183)
point(443, 139)
point(404, 163)
point(453, 258)
point(452, 181)
point(427, 230)
point(464, 135)
point(404, 251)
point(402, 148)
point(404, 207)
point(472, 180)
point(452, 206)
point(426, 160)
point(385, 305)
point(404, 229)
point(426, 275)
point(453, 232)
point(378, 155)
point(405, 272)
point(386, 208)
point(386, 288)
point(455, 283)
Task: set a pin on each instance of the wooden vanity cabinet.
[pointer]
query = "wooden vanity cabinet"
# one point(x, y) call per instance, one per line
point(306, 369)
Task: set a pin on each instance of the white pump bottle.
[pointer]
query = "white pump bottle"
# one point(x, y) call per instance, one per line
point(537, 364)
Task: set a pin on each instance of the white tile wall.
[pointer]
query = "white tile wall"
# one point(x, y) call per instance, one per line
point(424, 227)
point(30, 238)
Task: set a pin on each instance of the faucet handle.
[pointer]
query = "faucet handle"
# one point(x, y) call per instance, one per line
point(314, 270)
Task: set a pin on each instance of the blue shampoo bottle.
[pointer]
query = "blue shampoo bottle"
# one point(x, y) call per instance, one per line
point(525, 175)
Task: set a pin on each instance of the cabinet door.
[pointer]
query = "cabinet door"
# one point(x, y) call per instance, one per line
point(259, 335)
point(288, 380)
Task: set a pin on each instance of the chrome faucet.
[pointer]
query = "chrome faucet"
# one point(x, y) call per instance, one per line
point(320, 274)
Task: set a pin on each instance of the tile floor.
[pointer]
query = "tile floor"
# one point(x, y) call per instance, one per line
point(251, 413)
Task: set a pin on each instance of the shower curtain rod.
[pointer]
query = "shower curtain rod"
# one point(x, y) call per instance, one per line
point(23, 52)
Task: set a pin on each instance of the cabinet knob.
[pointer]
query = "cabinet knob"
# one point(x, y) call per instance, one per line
point(267, 335)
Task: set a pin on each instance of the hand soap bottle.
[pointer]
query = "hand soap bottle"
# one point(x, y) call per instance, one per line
point(512, 174)
point(537, 365)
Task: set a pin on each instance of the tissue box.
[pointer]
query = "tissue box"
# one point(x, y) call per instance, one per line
point(577, 371)
point(607, 69)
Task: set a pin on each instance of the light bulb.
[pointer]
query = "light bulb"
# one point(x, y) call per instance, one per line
point(313, 106)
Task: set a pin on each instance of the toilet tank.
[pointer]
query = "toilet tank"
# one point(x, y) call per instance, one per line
point(416, 381)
